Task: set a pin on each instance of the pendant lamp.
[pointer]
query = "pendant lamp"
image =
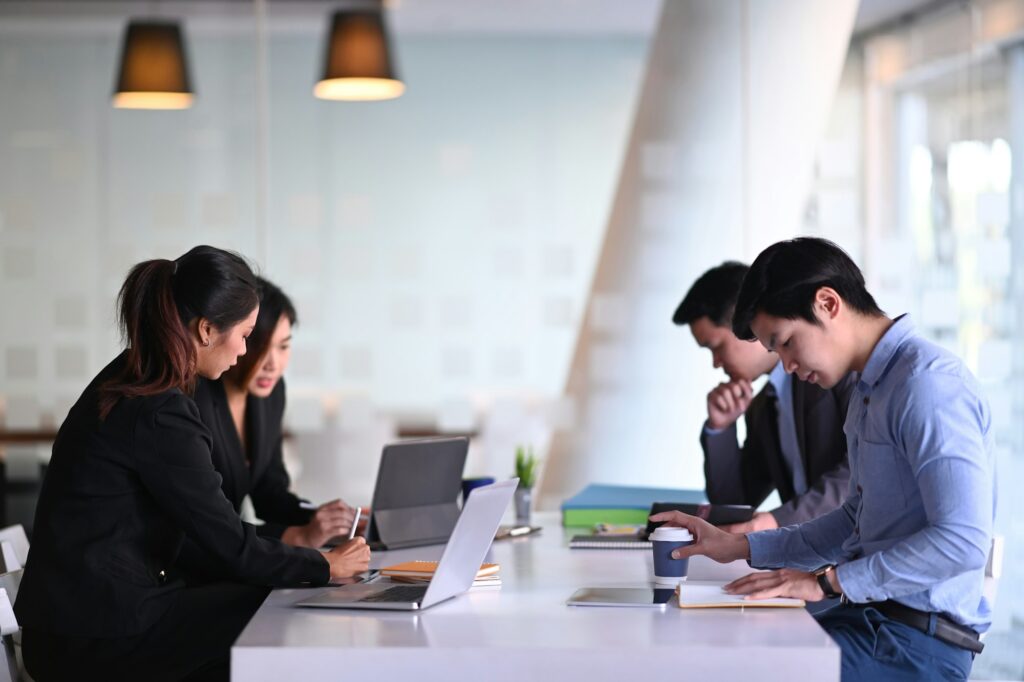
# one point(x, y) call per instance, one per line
point(153, 71)
point(357, 59)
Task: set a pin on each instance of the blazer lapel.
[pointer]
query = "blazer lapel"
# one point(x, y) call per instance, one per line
point(806, 398)
point(768, 426)
point(255, 410)
point(232, 460)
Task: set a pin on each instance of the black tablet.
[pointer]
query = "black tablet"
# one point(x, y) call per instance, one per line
point(715, 514)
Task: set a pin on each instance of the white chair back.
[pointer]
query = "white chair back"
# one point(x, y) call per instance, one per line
point(10, 582)
point(8, 557)
point(9, 666)
point(19, 541)
point(994, 567)
point(8, 621)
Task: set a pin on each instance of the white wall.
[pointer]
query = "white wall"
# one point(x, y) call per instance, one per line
point(439, 246)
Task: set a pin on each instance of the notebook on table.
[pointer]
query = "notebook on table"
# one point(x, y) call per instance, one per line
point(427, 569)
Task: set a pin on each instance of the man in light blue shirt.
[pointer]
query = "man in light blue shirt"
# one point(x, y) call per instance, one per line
point(907, 549)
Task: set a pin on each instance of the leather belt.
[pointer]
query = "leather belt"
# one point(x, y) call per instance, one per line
point(946, 630)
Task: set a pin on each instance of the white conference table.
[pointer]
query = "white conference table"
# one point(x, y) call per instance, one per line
point(525, 631)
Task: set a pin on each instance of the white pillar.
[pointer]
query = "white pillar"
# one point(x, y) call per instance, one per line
point(717, 167)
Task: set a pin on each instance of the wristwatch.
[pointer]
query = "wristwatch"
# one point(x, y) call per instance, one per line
point(822, 575)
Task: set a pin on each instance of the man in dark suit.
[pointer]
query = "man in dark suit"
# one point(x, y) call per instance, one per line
point(795, 442)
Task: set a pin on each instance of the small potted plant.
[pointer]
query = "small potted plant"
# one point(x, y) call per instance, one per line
point(526, 471)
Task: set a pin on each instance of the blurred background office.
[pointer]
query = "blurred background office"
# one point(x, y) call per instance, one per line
point(498, 250)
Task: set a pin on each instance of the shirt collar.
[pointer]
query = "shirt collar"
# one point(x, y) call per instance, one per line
point(777, 378)
point(885, 351)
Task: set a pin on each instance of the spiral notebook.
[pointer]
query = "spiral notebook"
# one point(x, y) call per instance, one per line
point(608, 542)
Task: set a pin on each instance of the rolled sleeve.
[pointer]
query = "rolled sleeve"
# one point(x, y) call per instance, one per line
point(805, 546)
point(175, 467)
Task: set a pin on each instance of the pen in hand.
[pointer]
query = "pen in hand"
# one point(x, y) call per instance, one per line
point(355, 522)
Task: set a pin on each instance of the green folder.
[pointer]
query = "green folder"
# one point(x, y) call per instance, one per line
point(620, 504)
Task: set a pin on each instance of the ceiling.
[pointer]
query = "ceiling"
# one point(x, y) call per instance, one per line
point(571, 17)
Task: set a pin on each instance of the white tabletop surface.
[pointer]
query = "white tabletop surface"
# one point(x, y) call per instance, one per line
point(524, 631)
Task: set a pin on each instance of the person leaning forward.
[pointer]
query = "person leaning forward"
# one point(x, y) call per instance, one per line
point(795, 442)
point(131, 477)
point(906, 551)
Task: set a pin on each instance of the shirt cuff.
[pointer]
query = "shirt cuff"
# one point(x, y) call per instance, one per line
point(766, 549)
point(856, 583)
point(712, 432)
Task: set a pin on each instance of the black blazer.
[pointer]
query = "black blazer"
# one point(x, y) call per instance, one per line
point(747, 475)
point(260, 471)
point(119, 496)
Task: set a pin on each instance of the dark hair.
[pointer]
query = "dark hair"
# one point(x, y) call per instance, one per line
point(156, 304)
point(785, 278)
point(273, 304)
point(713, 295)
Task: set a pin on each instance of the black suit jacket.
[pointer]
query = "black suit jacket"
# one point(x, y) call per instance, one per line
point(747, 475)
point(119, 496)
point(258, 472)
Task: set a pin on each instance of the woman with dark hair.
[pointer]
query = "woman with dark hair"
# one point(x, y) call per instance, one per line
point(131, 476)
point(244, 410)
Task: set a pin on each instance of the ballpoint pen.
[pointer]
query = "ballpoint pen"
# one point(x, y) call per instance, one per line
point(355, 522)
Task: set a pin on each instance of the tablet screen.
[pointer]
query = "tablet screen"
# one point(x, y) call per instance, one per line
point(621, 596)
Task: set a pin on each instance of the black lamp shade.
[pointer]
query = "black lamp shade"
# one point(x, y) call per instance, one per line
point(357, 59)
point(153, 71)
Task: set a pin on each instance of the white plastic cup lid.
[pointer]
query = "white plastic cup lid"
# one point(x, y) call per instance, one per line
point(667, 534)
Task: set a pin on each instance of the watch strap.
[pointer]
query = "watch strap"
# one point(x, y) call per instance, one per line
point(825, 585)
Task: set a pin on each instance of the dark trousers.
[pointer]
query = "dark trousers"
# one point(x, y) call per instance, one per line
point(191, 642)
point(877, 649)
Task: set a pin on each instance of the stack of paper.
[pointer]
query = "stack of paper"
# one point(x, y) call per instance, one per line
point(419, 572)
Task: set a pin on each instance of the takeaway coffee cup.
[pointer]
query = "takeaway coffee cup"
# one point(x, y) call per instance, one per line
point(669, 571)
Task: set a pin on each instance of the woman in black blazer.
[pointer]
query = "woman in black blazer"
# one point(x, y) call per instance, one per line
point(131, 476)
point(244, 410)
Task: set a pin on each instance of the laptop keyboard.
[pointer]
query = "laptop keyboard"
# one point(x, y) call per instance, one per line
point(401, 593)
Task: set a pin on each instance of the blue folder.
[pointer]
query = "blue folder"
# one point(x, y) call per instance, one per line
point(604, 496)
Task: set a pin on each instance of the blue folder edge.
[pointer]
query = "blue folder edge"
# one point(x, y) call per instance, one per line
point(605, 496)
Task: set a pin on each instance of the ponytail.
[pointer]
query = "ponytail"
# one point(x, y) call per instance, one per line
point(157, 302)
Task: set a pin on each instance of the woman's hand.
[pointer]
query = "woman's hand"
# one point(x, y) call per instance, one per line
point(786, 582)
point(712, 542)
point(330, 520)
point(349, 558)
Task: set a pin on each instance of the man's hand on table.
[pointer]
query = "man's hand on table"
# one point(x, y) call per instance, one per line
point(785, 582)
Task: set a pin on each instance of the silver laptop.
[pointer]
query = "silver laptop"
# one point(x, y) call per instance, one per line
point(465, 551)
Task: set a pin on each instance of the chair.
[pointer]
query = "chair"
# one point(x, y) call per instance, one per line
point(13, 548)
point(993, 571)
point(8, 628)
point(11, 668)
